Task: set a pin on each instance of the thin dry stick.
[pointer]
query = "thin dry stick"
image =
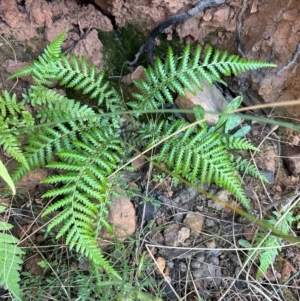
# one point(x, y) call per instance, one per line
point(162, 273)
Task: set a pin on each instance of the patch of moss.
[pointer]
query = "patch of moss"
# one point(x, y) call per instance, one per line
point(210, 37)
point(123, 44)
point(28, 49)
point(120, 46)
point(40, 30)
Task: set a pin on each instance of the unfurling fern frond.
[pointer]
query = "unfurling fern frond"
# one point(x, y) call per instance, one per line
point(177, 75)
point(15, 121)
point(198, 155)
point(10, 260)
point(84, 190)
point(42, 69)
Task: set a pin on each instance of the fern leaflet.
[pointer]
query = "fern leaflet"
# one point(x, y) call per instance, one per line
point(15, 121)
point(10, 260)
point(176, 74)
point(42, 70)
point(274, 244)
point(83, 190)
point(198, 155)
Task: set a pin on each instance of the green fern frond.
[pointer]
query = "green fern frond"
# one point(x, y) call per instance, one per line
point(86, 148)
point(12, 146)
point(199, 156)
point(10, 260)
point(268, 256)
point(42, 69)
point(54, 107)
point(177, 75)
point(13, 119)
point(83, 189)
point(78, 75)
point(69, 118)
point(243, 166)
point(238, 143)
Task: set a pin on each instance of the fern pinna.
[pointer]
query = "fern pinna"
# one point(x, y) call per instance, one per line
point(84, 191)
point(201, 155)
point(15, 122)
point(178, 74)
point(272, 244)
point(10, 260)
point(83, 144)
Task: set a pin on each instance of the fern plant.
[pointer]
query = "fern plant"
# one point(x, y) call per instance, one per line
point(10, 260)
point(85, 144)
point(283, 221)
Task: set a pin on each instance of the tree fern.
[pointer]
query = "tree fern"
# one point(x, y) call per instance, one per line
point(10, 260)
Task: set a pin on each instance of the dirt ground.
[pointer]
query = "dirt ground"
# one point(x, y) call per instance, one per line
point(191, 253)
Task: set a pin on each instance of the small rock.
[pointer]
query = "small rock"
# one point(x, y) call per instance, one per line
point(211, 244)
point(200, 208)
point(167, 271)
point(208, 271)
point(221, 15)
point(138, 162)
point(209, 222)
point(122, 217)
point(287, 270)
point(137, 74)
point(31, 180)
point(91, 48)
point(171, 235)
point(291, 158)
point(195, 222)
point(160, 264)
point(40, 13)
point(183, 234)
point(265, 158)
point(240, 284)
point(221, 194)
point(249, 232)
point(170, 264)
point(269, 175)
point(182, 267)
point(159, 238)
point(211, 99)
point(32, 265)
